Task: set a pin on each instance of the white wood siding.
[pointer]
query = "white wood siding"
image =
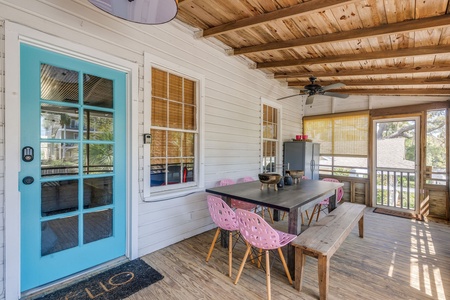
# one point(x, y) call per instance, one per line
point(2, 159)
point(232, 105)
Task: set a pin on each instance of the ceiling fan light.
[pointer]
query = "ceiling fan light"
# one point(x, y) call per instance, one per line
point(151, 12)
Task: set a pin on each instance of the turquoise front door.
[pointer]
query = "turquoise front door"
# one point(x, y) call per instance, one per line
point(73, 165)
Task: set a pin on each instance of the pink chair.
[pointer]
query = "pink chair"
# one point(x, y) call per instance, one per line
point(318, 207)
point(259, 234)
point(225, 218)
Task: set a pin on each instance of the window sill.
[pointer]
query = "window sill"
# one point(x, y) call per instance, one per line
point(174, 194)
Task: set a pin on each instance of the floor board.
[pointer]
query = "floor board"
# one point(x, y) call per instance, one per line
point(397, 259)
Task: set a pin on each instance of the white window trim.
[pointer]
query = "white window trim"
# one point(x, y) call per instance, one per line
point(152, 194)
point(15, 34)
point(279, 107)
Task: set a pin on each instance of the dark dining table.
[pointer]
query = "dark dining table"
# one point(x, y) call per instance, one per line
point(293, 199)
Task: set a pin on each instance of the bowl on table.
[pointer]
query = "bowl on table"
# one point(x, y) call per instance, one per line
point(296, 175)
point(269, 178)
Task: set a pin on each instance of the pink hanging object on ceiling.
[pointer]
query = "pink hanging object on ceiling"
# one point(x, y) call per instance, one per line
point(150, 12)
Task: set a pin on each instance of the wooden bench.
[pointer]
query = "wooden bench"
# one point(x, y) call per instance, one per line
point(323, 239)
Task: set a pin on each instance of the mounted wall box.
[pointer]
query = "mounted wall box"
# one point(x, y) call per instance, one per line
point(147, 138)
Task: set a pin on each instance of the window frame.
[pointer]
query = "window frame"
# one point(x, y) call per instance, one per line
point(279, 140)
point(173, 190)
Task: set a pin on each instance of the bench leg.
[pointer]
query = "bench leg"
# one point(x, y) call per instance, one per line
point(324, 268)
point(299, 267)
point(361, 227)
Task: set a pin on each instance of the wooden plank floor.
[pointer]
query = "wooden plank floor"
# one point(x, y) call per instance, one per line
point(397, 259)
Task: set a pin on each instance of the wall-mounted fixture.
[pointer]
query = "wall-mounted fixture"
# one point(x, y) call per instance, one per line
point(140, 11)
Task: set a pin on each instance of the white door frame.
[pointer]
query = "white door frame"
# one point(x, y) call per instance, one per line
point(14, 35)
point(417, 119)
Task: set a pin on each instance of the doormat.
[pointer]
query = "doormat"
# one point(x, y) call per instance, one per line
point(116, 283)
point(401, 214)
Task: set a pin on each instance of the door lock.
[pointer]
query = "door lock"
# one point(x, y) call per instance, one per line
point(28, 180)
point(27, 154)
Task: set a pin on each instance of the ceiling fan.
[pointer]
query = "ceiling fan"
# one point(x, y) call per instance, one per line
point(313, 89)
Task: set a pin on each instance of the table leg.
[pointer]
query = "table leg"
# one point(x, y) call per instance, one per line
point(225, 233)
point(276, 214)
point(361, 227)
point(332, 202)
point(294, 227)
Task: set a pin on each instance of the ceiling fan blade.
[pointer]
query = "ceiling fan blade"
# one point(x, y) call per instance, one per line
point(309, 100)
point(337, 95)
point(333, 86)
point(289, 96)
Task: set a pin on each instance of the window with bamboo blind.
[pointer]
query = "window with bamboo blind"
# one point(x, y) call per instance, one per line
point(344, 142)
point(270, 137)
point(174, 129)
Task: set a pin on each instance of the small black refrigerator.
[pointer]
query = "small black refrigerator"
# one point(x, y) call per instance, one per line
point(302, 155)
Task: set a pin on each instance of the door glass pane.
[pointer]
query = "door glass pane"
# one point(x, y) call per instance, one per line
point(59, 159)
point(58, 235)
point(98, 158)
point(98, 91)
point(436, 150)
point(396, 145)
point(59, 197)
point(98, 125)
point(97, 192)
point(59, 122)
point(59, 84)
point(97, 225)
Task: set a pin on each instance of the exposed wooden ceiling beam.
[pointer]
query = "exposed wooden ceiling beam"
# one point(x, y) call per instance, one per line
point(396, 28)
point(431, 92)
point(288, 12)
point(428, 50)
point(390, 82)
point(366, 72)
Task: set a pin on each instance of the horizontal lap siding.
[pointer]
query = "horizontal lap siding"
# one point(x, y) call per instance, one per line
point(2, 158)
point(232, 103)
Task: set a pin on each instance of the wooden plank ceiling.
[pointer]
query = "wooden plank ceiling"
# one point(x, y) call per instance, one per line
point(379, 47)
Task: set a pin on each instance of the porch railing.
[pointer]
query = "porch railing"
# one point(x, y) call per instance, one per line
point(396, 188)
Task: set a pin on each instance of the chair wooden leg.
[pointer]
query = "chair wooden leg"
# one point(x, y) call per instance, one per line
point(243, 263)
point(251, 254)
point(230, 253)
point(259, 258)
point(284, 214)
point(301, 215)
point(318, 212)
point(270, 215)
point(213, 243)
point(268, 276)
point(312, 214)
point(286, 269)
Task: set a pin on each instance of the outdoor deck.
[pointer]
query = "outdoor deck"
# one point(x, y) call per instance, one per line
point(397, 259)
